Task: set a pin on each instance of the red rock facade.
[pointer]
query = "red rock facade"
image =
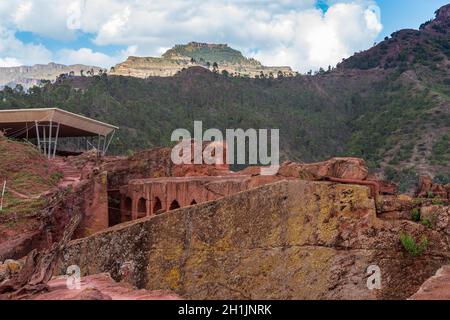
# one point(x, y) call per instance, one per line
point(148, 197)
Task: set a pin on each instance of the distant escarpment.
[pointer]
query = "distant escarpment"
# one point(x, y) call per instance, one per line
point(216, 57)
point(29, 76)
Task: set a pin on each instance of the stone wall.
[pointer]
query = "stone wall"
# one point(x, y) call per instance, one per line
point(287, 240)
point(147, 197)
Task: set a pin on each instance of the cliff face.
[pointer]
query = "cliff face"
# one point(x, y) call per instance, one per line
point(29, 76)
point(288, 240)
point(195, 54)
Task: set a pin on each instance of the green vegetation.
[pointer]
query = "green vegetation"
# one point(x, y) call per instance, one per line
point(208, 53)
point(27, 174)
point(406, 179)
point(442, 178)
point(426, 222)
point(411, 247)
point(415, 214)
point(55, 177)
point(379, 115)
point(441, 151)
point(438, 202)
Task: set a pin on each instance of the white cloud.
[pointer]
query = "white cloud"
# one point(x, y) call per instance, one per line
point(9, 62)
point(13, 51)
point(89, 57)
point(285, 32)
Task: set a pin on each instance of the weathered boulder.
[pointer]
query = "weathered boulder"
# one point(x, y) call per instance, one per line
point(437, 216)
point(424, 187)
point(292, 239)
point(428, 189)
point(8, 268)
point(100, 287)
point(91, 294)
point(435, 288)
point(343, 168)
point(14, 266)
point(395, 215)
point(388, 203)
point(386, 187)
point(4, 272)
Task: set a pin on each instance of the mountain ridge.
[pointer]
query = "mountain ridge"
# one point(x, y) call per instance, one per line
point(397, 116)
point(217, 57)
point(29, 76)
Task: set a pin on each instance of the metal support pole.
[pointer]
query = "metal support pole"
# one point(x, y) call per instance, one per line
point(104, 144)
point(50, 140)
point(56, 140)
point(98, 146)
point(37, 135)
point(110, 139)
point(3, 193)
point(45, 142)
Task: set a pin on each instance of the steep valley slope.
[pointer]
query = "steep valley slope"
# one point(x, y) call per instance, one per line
point(389, 105)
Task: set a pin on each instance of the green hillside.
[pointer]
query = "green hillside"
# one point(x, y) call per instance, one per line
point(202, 52)
point(394, 112)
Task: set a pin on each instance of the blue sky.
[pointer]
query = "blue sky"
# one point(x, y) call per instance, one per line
point(305, 34)
point(403, 14)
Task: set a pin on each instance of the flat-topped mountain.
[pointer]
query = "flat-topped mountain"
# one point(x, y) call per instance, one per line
point(29, 76)
point(217, 57)
point(204, 52)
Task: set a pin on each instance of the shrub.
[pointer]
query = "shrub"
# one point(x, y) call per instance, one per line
point(442, 178)
point(411, 247)
point(415, 214)
point(426, 223)
point(55, 177)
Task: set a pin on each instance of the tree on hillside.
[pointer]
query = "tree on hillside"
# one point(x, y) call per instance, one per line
point(112, 70)
point(19, 88)
point(82, 72)
point(215, 67)
point(225, 73)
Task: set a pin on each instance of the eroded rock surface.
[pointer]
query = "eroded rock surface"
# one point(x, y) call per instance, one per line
point(100, 287)
point(435, 288)
point(288, 240)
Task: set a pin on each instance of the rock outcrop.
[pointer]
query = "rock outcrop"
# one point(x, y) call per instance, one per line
point(29, 76)
point(344, 168)
point(288, 240)
point(100, 287)
point(428, 189)
point(196, 54)
point(435, 288)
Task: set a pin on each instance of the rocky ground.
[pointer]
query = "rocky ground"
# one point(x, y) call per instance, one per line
point(313, 228)
point(100, 287)
point(435, 288)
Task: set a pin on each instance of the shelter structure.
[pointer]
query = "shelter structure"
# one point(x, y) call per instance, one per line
point(47, 125)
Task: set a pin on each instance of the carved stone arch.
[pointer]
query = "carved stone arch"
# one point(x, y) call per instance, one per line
point(174, 205)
